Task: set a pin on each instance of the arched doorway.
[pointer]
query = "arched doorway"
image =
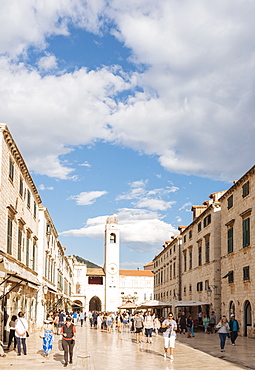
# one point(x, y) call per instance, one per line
point(77, 306)
point(232, 308)
point(95, 304)
point(247, 317)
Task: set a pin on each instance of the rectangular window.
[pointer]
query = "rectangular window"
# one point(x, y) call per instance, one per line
point(28, 199)
point(11, 169)
point(19, 244)
point(230, 277)
point(21, 186)
point(246, 232)
point(185, 262)
point(27, 252)
point(190, 234)
point(230, 240)
point(206, 285)
point(207, 251)
point(190, 260)
point(230, 201)
point(9, 236)
point(96, 280)
point(246, 189)
point(199, 226)
point(34, 255)
point(46, 266)
point(184, 239)
point(174, 270)
point(200, 286)
point(246, 273)
point(35, 210)
point(207, 220)
point(200, 255)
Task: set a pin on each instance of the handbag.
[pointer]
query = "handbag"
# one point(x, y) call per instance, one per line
point(162, 330)
point(27, 334)
point(60, 345)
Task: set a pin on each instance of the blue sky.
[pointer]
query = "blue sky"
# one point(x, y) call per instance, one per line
point(139, 108)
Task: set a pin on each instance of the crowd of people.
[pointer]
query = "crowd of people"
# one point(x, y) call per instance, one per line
point(141, 323)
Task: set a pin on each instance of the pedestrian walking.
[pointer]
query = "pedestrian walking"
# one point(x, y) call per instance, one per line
point(109, 322)
point(169, 335)
point(223, 330)
point(12, 332)
point(212, 322)
point(148, 325)
point(75, 318)
point(138, 326)
point(61, 320)
point(206, 323)
point(189, 326)
point(81, 316)
point(234, 328)
point(21, 327)
point(118, 322)
point(68, 332)
point(183, 323)
point(48, 337)
point(157, 325)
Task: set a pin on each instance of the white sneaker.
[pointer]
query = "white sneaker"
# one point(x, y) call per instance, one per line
point(165, 355)
point(171, 357)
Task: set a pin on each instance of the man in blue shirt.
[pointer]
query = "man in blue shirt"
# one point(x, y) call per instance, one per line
point(234, 328)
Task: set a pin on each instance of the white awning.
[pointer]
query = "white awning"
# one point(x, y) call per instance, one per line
point(16, 271)
point(190, 303)
point(153, 303)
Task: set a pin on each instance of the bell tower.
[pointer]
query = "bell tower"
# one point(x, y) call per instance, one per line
point(111, 263)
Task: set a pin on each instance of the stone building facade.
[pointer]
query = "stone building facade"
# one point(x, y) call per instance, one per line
point(238, 252)
point(34, 271)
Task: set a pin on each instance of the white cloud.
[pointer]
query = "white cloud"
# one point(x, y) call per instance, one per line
point(185, 206)
point(141, 230)
point(43, 187)
point(88, 197)
point(132, 263)
point(154, 204)
point(151, 199)
point(195, 95)
point(138, 184)
point(47, 63)
point(85, 164)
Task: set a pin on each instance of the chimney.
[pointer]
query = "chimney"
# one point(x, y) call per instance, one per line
point(138, 268)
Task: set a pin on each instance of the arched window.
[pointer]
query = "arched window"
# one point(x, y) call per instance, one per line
point(112, 238)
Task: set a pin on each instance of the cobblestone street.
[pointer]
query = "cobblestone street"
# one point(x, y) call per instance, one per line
point(98, 350)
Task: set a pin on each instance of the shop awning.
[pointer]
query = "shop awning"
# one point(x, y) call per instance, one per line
point(190, 303)
point(128, 305)
point(153, 303)
point(15, 270)
point(16, 275)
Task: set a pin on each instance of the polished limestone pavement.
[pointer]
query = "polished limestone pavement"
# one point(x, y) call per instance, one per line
point(98, 350)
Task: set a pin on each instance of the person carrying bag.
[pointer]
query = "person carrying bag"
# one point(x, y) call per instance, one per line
point(21, 327)
point(68, 332)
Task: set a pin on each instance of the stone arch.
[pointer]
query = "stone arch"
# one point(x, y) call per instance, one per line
point(247, 319)
point(95, 304)
point(77, 305)
point(232, 308)
point(113, 238)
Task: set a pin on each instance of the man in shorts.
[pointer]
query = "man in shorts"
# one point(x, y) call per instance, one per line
point(169, 335)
